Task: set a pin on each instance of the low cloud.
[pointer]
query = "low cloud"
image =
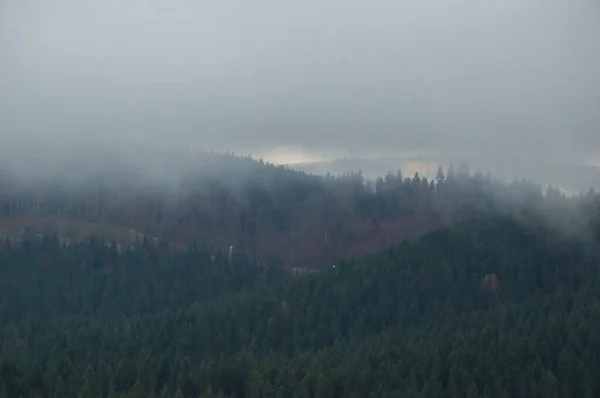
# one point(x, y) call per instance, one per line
point(319, 79)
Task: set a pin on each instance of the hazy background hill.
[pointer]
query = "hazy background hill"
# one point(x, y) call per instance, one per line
point(571, 177)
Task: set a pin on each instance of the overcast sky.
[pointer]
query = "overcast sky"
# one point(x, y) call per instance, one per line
point(319, 77)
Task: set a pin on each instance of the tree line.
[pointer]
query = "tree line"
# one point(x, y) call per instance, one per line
point(274, 212)
point(491, 307)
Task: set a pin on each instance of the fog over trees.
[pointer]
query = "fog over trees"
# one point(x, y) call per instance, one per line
point(174, 222)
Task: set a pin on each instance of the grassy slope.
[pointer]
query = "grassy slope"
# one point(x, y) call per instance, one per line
point(69, 229)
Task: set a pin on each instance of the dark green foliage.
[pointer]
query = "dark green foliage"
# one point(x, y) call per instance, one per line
point(488, 308)
point(40, 279)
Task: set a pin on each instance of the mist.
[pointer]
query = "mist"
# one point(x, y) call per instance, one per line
point(309, 80)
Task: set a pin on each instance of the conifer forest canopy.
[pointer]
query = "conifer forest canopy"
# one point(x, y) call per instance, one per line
point(184, 210)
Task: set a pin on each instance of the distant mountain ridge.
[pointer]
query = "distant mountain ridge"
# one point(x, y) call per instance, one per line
point(569, 176)
point(267, 211)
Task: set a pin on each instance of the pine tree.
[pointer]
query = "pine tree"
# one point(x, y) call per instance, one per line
point(440, 177)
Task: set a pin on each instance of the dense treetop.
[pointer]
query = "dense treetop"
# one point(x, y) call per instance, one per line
point(500, 300)
point(420, 319)
point(221, 200)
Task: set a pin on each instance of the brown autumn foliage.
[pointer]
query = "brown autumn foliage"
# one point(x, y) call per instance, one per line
point(270, 212)
point(490, 283)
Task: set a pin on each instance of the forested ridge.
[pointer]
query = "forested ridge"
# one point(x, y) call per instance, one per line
point(490, 307)
point(265, 210)
point(497, 298)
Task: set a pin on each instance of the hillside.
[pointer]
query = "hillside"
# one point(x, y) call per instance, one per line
point(68, 228)
point(568, 175)
point(488, 308)
point(270, 212)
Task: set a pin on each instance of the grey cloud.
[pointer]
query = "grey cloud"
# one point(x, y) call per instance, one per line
point(464, 76)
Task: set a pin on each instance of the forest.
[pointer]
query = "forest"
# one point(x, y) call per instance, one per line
point(461, 286)
point(273, 212)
